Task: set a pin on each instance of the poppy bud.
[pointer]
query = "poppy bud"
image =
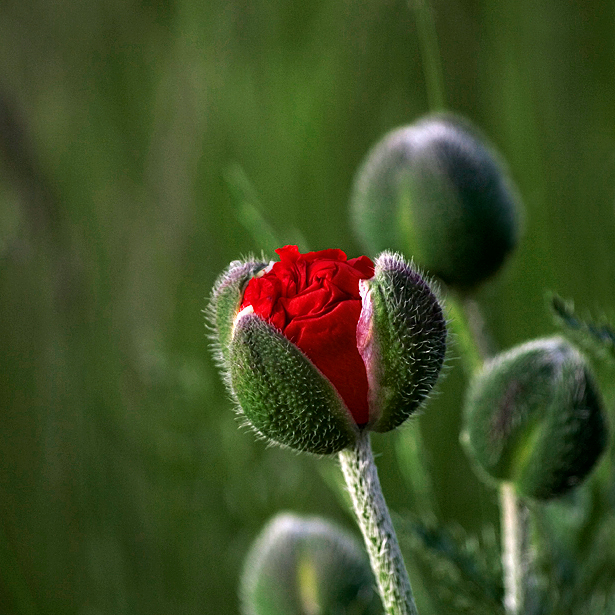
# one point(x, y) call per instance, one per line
point(534, 417)
point(311, 359)
point(304, 565)
point(435, 191)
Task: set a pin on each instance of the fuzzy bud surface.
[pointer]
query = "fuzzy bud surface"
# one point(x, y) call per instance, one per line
point(534, 418)
point(317, 347)
point(435, 191)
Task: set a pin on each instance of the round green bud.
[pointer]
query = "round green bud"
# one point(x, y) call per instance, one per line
point(533, 417)
point(435, 191)
point(307, 565)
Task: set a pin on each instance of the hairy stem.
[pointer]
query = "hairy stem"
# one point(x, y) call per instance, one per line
point(515, 522)
point(515, 549)
point(373, 516)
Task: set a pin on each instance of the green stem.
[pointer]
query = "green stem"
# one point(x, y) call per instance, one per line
point(465, 335)
point(476, 346)
point(373, 516)
point(476, 325)
point(430, 53)
point(413, 462)
point(515, 549)
point(248, 209)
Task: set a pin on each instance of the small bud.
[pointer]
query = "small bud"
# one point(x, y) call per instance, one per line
point(435, 191)
point(534, 417)
point(402, 338)
point(311, 359)
point(307, 566)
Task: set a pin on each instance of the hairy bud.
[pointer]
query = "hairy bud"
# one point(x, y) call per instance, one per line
point(534, 417)
point(302, 565)
point(433, 190)
point(316, 348)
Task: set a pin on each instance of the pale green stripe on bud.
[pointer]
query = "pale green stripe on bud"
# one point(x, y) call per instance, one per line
point(307, 566)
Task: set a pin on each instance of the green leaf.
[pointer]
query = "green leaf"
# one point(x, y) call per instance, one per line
point(460, 573)
point(596, 337)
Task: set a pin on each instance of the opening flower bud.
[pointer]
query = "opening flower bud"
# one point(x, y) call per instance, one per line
point(311, 362)
point(534, 417)
point(302, 565)
point(435, 191)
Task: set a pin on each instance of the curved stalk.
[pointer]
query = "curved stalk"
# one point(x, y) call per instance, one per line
point(373, 516)
point(514, 514)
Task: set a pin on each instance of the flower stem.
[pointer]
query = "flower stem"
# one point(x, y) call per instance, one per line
point(515, 549)
point(472, 354)
point(515, 521)
point(373, 516)
point(430, 53)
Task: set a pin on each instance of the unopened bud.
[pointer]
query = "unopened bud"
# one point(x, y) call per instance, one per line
point(307, 566)
point(534, 418)
point(435, 191)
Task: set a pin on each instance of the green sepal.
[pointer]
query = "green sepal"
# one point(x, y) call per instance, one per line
point(401, 336)
point(534, 417)
point(282, 394)
point(225, 301)
point(435, 191)
point(302, 565)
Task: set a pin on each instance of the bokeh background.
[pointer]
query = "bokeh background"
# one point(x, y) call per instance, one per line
point(130, 135)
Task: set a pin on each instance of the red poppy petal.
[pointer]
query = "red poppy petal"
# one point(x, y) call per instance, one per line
point(314, 300)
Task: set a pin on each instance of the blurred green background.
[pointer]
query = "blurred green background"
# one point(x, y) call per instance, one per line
point(126, 485)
